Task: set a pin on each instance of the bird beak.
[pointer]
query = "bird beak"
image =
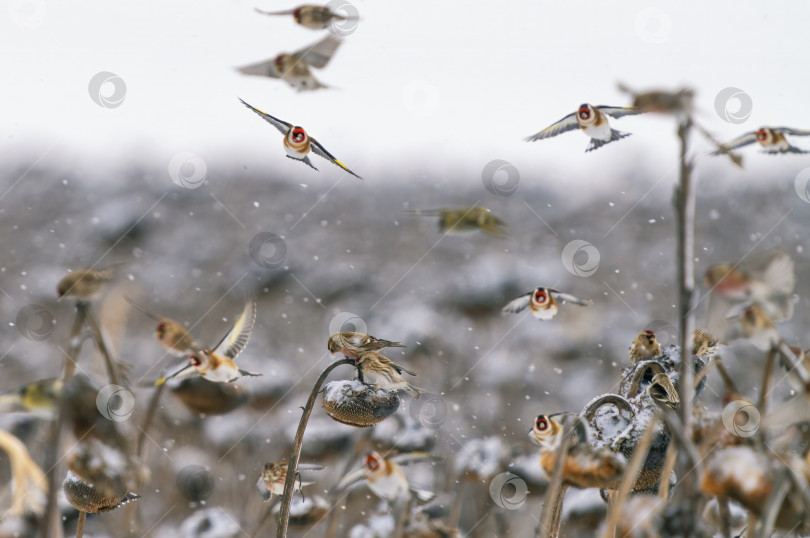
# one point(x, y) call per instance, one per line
point(178, 372)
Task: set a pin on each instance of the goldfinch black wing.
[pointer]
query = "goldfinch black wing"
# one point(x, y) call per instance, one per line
point(281, 125)
point(318, 149)
point(568, 123)
point(740, 141)
point(619, 111)
point(566, 298)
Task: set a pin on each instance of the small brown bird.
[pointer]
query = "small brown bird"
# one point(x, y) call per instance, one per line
point(385, 477)
point(758, 328)
point(542, 302)
point(645, 346)
point(294, 68)
point(584, 465)
point(218, 364)
point(311, 16)
point(767, 278)
point(591, 120)
point(663, 392)
point(86, 283)
point(378, 370)
point(772, 140)
point(662, 101)
point(274, 475)
point(170, 333)
point(704, 344)
point(464, 219)
point(351, 344)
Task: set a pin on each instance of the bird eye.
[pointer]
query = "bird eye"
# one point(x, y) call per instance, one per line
point(195, 360)
point(542, 423)
point(762, 134)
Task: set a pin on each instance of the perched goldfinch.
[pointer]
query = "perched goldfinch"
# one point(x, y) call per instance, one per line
point(591, 120)
point(218, 365)
point(351, 344)
point(543, 303)
point(297, 143)
point(584, 466)
point(294, 68)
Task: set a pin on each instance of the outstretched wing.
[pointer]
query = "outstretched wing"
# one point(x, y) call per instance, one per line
point(619, 111)
point(236, 340)
point(568, 123)
point(566, 298)
point(740, 141)
point(352, 478)
point(413, 457)
point(518, 305)
point(791, 131)
point(286, 12)
point(318, 149)
point(266, 68)
point(318, 54)
point(281, 125)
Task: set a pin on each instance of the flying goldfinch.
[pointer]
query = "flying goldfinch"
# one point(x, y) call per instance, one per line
point(297, 143)
point(219, 364)
point(385, 478)
point(294, 68)
point(591, 120)
point(311, 16)
point(772, 140)
point(543, 303)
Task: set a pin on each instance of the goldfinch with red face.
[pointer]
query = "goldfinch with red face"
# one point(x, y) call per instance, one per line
point(218, 365)
point(297, 143)
point(311, 16)
point(772, 140)
point(591, 120)
point(294, 68)
point(385, 478)
point(543, 303)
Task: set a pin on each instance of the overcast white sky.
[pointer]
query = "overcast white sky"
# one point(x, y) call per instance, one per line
point(422, 87)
